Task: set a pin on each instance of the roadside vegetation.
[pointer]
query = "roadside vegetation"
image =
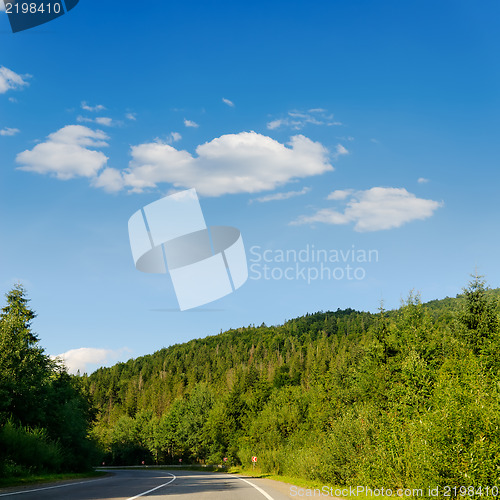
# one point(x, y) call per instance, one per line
point(45, 416)
point(408, 398)
point(403, 398)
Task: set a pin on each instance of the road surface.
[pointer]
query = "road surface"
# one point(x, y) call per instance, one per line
point(135, 484)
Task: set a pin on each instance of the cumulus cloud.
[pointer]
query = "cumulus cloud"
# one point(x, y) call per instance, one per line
point(190, 123)
point(228, 102)
point(96, 108)
point(110, 179)
point(422, 180)
point(81, 359)
point(67, 153)
point(9, 131)
point(297, 120)
point(374, 209)
point(10, 80)
point(131, 116)
point(282, 196)
point(247, 162)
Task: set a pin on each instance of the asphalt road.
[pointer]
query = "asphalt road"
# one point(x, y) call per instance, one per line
point(155, 484)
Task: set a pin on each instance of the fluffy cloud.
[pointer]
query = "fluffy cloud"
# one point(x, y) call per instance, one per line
point(297, 120)
point(131, 116)
point(66, 154)
point(282, 196)
point(374, 209)
point(79, 359)
point(10, 80)
point(247, 162)
point(228, 102)
point(189, 123)
point(422, 180)
point(9, 131)
point(98, 107)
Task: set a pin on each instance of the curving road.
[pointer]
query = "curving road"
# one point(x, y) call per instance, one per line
point(158, 485)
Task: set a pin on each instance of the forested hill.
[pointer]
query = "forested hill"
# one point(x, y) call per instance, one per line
point(398, 398)
point(283, 355)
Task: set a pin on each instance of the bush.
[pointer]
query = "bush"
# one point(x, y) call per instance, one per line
point(25, 450)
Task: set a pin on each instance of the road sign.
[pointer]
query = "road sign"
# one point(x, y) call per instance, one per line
point(180, 459)
point(254, 459)
point(225, 459)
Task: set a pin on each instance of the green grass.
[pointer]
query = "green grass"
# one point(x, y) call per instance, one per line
point(46, 478)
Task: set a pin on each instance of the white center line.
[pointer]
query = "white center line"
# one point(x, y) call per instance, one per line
point(260, 490)
point(157, 488)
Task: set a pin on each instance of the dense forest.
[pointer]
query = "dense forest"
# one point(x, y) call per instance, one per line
point(45, 416)
point(409, 397)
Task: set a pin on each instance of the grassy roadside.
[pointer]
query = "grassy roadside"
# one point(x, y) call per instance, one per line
point(6, 482)
point(299, 482)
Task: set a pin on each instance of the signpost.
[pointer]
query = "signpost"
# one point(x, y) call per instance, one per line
point(254, 459)
point(180, 460)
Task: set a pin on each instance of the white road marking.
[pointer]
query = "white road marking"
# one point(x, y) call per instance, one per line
point(157, 488)
point(50, 487)
point(260, 490)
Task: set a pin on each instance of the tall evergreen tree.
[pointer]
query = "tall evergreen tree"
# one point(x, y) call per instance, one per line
point(24, 368)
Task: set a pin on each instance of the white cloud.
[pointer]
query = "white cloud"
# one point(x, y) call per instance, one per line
point(340, 194)
point(104, 120)
point(274, 124)
point(100, 120)
point(189, 123)
point(131, 116)
point(341, 151)
point(235, 163)
point(9, 131)
point(98, 107)
point(66, 154)
point(228, 102)
point(282, 196)
point(422, 180)
point(80, 359)
point(375, 209)
point(174, 137)
point(10, 80)
point(2, 7)
point(297, 120)
point(110, 179)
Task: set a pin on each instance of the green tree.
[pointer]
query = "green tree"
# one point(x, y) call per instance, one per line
point(24, 368)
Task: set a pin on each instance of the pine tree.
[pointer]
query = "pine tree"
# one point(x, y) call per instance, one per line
point(24, 368)
point(478, 319)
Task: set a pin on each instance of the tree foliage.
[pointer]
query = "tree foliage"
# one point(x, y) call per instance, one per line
point(401, 398)
point(44, 412)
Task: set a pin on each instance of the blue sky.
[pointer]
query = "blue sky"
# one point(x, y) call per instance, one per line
point(328, 125)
